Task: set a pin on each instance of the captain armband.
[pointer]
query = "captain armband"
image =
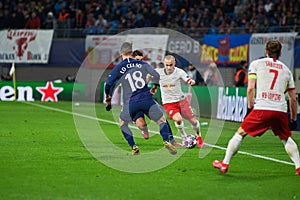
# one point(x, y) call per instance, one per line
point(252, 76)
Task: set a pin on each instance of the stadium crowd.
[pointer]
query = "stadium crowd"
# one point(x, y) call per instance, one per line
point(190, 16)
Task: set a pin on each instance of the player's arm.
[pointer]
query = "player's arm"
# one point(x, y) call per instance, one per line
point(186, 78)
point(154, 78)
point(190, 81)
point(291, 94)
point(292, 103)
point(250, 92)
point(110, 86)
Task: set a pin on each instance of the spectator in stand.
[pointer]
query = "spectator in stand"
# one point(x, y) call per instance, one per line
point(33, 22)
point(241, 79)
point(40, 13)
point(153, 65)
point(141, 22)
point(58, 6)
point(210, 75)
point(50, 21)
point(238, 7)
point(268, 5)
point(20, 17)
point(13, 21)
point(195, 75)
point(79, 19)
point(154, 18)
point(62, 18)
point(238, 16)
point(26, 14)
point(2, 20)
point(100, 24)
point(90, 24)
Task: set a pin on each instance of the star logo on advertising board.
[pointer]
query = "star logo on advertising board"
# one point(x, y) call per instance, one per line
point(49, 92)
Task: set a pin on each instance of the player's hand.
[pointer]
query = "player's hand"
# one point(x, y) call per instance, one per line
point(108, 102)
point(191, 82)
point(153, 91)
point(108, 107)
point(248, 111)
point(292, 125)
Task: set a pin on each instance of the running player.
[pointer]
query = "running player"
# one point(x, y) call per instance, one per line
point(132, 74)
point(138, 55)
point(174, 101)
point(272, 79)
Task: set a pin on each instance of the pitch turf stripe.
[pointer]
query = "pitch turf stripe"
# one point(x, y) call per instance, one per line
point(116, 123)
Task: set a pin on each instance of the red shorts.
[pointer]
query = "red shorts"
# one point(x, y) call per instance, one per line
point(183, 107)
point(259, 121)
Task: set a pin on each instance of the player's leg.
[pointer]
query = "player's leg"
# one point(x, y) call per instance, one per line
point(292, 150)
point(171, 137)
point(232, 148)
point(127, 133)
point(179, 124)
point(187, 113)
point(173, 110)
point(196, 127)
point(280, 128)
point(255, 124)
point(155, 113)
point(142, 125)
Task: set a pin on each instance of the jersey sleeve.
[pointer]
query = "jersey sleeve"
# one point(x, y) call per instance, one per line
point(155, 75)
point(183, 75)
point(111, 81)
point(291, 82)
point(252, 70)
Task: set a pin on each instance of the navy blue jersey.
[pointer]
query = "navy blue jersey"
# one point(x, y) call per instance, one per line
point(132, 75)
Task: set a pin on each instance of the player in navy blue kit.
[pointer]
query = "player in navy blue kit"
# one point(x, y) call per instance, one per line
point(132, 75)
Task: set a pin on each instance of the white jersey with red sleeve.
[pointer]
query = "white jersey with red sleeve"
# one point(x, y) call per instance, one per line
point(170, 85)
point(273, 79)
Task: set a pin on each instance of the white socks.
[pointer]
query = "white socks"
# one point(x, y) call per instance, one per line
point(235, 143)
point(233, 147)
point(181, 128)
point(292, 150)
point(197, 128)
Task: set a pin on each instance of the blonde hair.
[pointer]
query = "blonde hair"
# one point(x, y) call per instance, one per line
point(170, 57)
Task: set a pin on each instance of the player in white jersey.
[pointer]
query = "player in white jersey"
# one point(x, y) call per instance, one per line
point(174, 101)
point(272, 79)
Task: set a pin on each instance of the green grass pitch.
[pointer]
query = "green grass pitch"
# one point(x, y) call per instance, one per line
point(42, 156)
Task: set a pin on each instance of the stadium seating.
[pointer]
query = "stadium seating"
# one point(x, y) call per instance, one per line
point(192, 17)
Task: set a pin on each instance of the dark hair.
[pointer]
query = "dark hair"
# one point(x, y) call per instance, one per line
point(243, 62)
point(126, 48)
point(273, 48)
point(137, 53)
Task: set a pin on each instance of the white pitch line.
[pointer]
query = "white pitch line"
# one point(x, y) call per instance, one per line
point(111, 122)
point(253, 155)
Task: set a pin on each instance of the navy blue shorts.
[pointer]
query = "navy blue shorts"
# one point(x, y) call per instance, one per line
point(148, 107)
point(125, 115)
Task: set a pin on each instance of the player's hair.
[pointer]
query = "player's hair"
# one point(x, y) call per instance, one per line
point(126, 48)
point(137, 53)
point(273, 48)
point(169, 57)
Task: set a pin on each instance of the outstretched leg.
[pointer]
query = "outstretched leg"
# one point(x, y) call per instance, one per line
point(292, 150)
point(232, 148)
point(127, 133)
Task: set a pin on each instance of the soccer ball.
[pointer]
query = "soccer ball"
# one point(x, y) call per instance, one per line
point(189, 141)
